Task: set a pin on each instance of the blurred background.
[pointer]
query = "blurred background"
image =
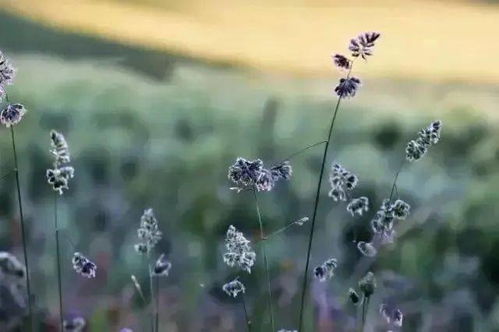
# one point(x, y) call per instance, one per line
point(158, 97)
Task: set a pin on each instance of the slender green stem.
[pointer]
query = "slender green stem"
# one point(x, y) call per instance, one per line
point(246, 316)
point(365, 307)
point(396, 178)
point(265, 260)
point(294, 154)
point(23, 228)
point(58, 257)
point(151, 298)
point(314, 215)
point(157, 305)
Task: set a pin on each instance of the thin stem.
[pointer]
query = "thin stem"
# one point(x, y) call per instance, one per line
point(395, 179)
point(151, 290)
point(246, 316)
point(279, 231)
point(302, 150)
point(23, 228)
point(58, 257)
point(314, 215)
point(365, 306)
point(157, 305)
point(265, 260)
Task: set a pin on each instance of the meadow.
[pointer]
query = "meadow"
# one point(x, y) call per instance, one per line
point(152, 129)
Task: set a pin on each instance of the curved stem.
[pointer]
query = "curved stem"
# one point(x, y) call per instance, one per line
point(314, 215)
point(265, 260)
point(58, 257)
point(23, 228)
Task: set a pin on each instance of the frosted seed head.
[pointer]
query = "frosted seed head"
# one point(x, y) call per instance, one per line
point(367, 284)
point(12, 114)
point(358, 206)
point(363, 44)
point(233, 288)
point(162, 267)
point(341, 62)
point(76, 324)
point(326, 270)
point(282, 171)
point(83, 265)
point(367, 249)
point(354, 297)
point(347, 87)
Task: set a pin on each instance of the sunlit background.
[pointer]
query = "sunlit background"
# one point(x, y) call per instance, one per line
point(158, 97)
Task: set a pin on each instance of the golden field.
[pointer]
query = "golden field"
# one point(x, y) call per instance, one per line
point(435, 41)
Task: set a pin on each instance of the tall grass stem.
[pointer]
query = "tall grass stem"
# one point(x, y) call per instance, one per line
point(314, 215)
point(23, 228)
point(58, 257)
point(265, 260)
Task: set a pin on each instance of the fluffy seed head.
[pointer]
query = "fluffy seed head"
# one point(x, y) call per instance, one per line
point(12, 114)
point(367, 284)
point(233, 288)
point(148, 232)
point(83, 265)
point(76, 324)
point(341, 180)
point(301, 221)
point(354, 297)
point(162, 266)
point(367, 249)
point(347, 87)
point(282, 171)
point(341, 61)
point(363, 44)
point(392, 316)
point(7, 71)
point(426, 137)
point(400, 209)
point(358, 206)
point(10, 267)
point(326, 270)
point(238, 250)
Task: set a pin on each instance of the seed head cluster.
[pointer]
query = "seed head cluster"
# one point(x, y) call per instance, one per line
point(148, 232)
point(252, 174)
point(233, 288)
point(326, 270)
point(60, 175)
point(83, 266)
point(341, 181)
point(238, 250)
point(382, 223)
point(363, 45)
point(426, 137)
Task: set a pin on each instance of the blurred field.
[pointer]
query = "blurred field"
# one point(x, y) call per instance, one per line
point(154, 118)
point(447, 40)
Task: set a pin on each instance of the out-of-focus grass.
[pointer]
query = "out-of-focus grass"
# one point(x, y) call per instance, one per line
point(431, 40)
point(141, 143)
